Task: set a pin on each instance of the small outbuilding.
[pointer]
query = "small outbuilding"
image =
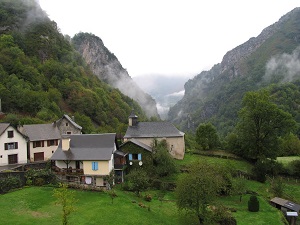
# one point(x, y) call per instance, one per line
point(290, 209)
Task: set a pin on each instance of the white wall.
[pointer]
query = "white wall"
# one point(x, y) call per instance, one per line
point(22, 147)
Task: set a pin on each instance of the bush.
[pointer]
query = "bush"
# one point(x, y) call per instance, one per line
point(8, 183)
point(39, 181)
point(295, 168)
point(35, 177)
point(253, 204)
point(148, 198)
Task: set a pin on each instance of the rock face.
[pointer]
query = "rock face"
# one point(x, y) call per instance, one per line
point(106, 67)
point(210, 93)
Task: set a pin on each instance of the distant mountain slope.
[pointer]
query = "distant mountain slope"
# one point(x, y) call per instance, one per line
point(43, 77)
point(215, 95)
point(166, 90)
point(107, 67)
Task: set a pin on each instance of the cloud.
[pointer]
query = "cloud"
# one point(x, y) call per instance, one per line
point(176, 94)
point(284, 67)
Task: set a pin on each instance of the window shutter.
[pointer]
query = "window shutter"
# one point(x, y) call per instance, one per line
point(139, 156)
point(96, 165)
point(130, 156)
point(16, 145)
point(5, 146)
point(48, 143)
point(93, 165)
point(42, 143)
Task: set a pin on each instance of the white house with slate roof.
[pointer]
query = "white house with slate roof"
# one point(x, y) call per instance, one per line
point(13, 145)
point(43, 140)
point(148, 132)
point(90, 157)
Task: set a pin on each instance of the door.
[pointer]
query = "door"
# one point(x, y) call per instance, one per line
point(13, 159)
point(99, 181)
point(77, 165)
point(39, 156)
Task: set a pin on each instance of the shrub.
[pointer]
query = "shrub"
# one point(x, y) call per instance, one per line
point(148, 197)
point(253, 204)
point(35, 176)
point(295, 168)
point(8, 183)
point(39, 181)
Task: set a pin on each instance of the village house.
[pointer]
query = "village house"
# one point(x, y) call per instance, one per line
point(149, 132)
point(13, 145)
point(137, 154)
point(87, 158)
point(67, 125)
point(43, 140)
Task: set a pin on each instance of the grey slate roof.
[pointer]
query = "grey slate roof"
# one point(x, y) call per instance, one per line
point(87, 147)
point(37, 132)
point(153, 130)
point(286, 203)
point(138, 143)
point(3, 127)
point(71, 121)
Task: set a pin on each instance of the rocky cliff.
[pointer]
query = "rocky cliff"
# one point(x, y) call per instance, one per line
point(106, 67)
point(215, 95)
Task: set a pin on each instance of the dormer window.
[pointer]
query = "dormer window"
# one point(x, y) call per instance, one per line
point(10, 134)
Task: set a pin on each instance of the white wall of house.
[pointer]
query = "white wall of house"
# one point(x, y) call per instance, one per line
point(63, 165)
point(47, 150)
point(22, 147)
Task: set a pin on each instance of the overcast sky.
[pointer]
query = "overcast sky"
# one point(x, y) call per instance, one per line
point(168, 37)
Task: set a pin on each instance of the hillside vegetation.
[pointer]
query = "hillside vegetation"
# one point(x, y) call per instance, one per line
point(42, 76)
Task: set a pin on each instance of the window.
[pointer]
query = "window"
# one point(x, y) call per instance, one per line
point(11, 145)
point(67, 124)
point(135, 156)
point(69, 132)
point(52, 142)
point(10, 134)
point(94, 166)
point(37, 144)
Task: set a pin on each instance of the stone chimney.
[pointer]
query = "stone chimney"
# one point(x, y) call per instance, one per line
point(65, 143)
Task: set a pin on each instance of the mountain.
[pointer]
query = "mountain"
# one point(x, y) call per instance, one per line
point(216, 95)
point(43, 77)
point(166, 90)
point(107, 68)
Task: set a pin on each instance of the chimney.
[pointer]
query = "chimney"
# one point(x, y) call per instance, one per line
point(65, 143)
point(132, 119)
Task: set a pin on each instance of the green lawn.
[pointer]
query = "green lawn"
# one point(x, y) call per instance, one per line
point(35, 205)
point(287, 159)
point(236, 164)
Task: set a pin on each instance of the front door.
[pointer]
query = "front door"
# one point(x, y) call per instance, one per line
point(13, 159)
point(39, 156)
point(77, 163)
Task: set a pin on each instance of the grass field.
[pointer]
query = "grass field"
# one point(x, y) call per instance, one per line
point(36, 205)
point(286, 160)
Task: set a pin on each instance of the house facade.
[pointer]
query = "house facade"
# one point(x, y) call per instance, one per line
point(148, 132)
point(43, 140)
point(67, 125)
point(13, 145)
point(137, 154)
point(86, 158)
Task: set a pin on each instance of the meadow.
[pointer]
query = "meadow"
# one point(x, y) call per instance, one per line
point(36, 205)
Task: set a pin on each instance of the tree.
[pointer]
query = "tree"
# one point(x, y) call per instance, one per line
point(164, 164)
point(207, 137)
point(239, 187)
point(198, 188)
point(138, 180)
point(66, 199)
point(260, 125)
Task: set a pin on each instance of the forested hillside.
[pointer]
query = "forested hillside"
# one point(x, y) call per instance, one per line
point(106, 66)
point(42, 76)
point(270, 61)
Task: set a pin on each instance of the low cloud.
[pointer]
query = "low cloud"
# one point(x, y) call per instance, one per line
point(176, 94)
point(284, 67)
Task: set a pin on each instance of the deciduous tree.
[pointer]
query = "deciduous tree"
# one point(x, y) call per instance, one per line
point(207, 137)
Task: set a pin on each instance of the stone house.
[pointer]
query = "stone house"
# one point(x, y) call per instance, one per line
point(67, 125)
point(148, 132)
